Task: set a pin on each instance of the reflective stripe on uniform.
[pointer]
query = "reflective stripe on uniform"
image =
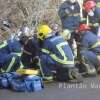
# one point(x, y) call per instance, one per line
point(76, 14)
point(11, 64)
point(21, 65)
point(96, 45)
point(18, 54)
point(54, 57)
point(3, 44)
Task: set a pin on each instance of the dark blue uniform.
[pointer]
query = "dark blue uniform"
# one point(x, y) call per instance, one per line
point(69, 14)
point(95, 20)
point(90, 50)
point(56, 54)
point(30, 51)
point(9, 61)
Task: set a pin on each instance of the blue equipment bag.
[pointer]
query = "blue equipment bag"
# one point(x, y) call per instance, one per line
point(6, 78)
point(27, 83)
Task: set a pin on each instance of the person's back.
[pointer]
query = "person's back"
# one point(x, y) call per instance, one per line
point(90, 47)
point(9, 60)
point(14, 45)
point(60, 48)
point(88, 39)
point(56, 55)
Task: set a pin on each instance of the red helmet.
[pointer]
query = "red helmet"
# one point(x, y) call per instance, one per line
point(83, 27)
point(89, 5)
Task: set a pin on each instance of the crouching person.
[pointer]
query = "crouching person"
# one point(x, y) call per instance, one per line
point(90, 48)
point(9, 61)
point(56, 56)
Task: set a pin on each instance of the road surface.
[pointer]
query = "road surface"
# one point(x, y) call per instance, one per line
point(88, 90)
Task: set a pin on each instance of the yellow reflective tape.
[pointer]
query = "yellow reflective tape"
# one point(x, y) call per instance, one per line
point(45, 51)
point(3, 44)
point(54, 57)
point(11, 64)
point(96, 45)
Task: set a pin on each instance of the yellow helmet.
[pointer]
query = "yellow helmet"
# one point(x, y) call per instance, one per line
point(43, 31)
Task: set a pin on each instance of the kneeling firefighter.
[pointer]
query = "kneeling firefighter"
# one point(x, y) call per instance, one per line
point(90, 48)
point(56, 55)
point(9, 60)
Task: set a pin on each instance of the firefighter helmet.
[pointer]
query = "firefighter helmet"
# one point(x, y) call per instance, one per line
point(83, 27)
point(43, 31)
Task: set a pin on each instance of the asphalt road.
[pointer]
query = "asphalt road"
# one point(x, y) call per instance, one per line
point(88, 90)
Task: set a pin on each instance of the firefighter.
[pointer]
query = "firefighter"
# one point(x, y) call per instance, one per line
point(93, 13)
point(90, 48)
point(69, 13)
point(56, 55)
point(30, 47)
point(9, 60)
point(30, 52)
